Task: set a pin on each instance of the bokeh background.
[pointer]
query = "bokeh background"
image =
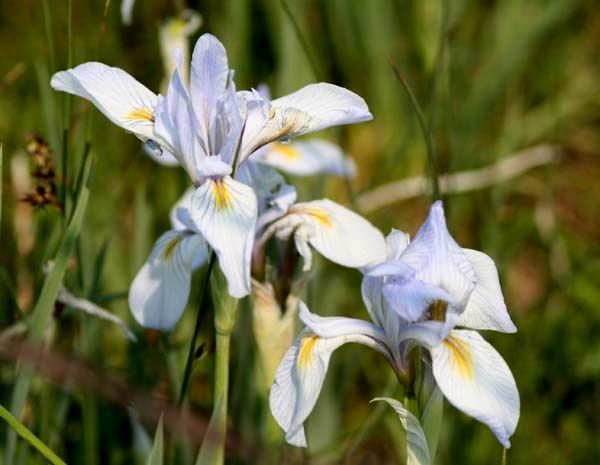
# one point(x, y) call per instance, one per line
point(494, 78)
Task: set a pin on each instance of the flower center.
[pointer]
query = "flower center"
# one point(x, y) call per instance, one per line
point(437, 310)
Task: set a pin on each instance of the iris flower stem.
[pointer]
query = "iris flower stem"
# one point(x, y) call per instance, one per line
point(221, 390)
point(433, 172)
point(199, 317)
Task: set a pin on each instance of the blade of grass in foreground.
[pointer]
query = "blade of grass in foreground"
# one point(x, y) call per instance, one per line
point(31, 438)
point(0, 187)
point(43, 309)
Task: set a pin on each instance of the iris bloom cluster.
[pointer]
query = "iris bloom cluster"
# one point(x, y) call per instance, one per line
point(430, 293)
point(212, 131)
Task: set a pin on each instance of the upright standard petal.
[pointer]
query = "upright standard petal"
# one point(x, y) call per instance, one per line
point(121, 98)
point(486, 308)
point(209, 75)
point(224, 211)
point(308, 158)
point(175, 123)
point(475, 379)
point(438, 259)
point(160, 291)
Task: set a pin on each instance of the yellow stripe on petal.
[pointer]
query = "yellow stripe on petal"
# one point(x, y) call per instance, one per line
point(319, 214)
point(461, 359)
point(222, 195)
point(143, 114)
point(171, 246)
point(307, 346)
point(287, 151)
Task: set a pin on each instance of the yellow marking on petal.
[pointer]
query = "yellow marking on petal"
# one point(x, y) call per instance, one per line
point(143, 114)
point(171, 246)
point(437, 310)
point(305, 351)
point(318, 213)
point(287, 151)
point(222, 195)
point(461, 356)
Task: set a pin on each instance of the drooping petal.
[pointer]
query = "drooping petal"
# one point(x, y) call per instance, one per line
point(121, 98)
point(335, 326)
point(299, 380)
point(224, 211)
point(438, 260)
point(337, 233)
point(475, 379)
point(160, 291)
point(486, 308)
point(319, 106)
point(308, 158)
point(312, 108)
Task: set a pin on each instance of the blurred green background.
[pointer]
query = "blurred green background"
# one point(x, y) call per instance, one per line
point(493, 77)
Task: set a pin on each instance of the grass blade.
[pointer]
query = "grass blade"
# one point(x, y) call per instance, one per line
point(156, 457)
point(43, 309)
point(31, 438)
point(0, 187)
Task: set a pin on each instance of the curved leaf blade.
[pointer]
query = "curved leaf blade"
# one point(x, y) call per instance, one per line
point(417, 452)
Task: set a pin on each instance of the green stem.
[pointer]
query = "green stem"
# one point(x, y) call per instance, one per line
point(199, 317)
point(221, 390)
point(433, 172)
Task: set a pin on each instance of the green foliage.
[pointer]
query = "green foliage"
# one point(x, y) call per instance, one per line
point(491, 78)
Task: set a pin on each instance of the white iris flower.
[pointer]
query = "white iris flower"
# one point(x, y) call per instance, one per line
point(207, 126)
point(418, 296)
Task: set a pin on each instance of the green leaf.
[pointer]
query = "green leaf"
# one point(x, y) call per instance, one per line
point(156, 456)
point(417, 452)
point(45, 305)
point(431, 419)
point(31, 438)
point(211, 450)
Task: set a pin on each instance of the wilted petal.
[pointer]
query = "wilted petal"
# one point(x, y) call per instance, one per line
point(121, 98)
point(308, 158)
point(160, 291)
point(475, 379)
point(224, 210)
point(486, 308)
